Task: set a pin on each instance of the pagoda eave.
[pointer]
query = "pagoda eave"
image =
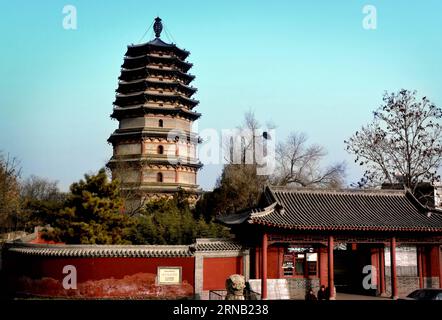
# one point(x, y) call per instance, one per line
point(137, 134)
point(141, 110)
point(139, 161)
point(142, 84)
point(141, 96)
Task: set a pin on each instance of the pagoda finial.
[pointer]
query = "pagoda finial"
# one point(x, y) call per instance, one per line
point(157, 27)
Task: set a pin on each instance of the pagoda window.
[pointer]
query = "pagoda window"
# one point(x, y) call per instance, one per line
point(160, 149)
point(159, 177)
point(160, 123)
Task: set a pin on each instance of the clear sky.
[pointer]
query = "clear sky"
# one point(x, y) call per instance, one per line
point(307, 66)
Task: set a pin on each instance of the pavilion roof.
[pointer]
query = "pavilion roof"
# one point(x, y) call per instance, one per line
point(319, 209)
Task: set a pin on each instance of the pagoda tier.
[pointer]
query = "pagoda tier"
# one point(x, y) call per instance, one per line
point(141, 110)
point(154, 72)
point(154, 148)
point(144, 84)
point(140, 61)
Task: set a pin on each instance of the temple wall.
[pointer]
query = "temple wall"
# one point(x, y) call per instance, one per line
point(116, 275)
point(121, 271)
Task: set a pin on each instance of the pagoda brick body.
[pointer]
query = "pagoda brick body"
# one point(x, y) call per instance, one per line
point(154, 148)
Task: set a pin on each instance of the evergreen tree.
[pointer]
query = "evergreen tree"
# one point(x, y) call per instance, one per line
point(92, 214)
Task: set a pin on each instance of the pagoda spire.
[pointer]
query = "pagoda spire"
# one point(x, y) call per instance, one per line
point(157, 27)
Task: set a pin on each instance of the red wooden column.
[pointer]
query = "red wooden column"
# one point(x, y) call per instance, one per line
point(394, 292)
point(439, 264)
point(264, 267)
point(331, 270)
point(382, 271)
point(420, 267)
point(257, 262)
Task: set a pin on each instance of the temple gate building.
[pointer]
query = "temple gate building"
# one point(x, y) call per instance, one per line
point(154, 147)
point(373, 242)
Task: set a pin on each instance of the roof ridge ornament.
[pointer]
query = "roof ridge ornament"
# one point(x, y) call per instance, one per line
point(157, 27)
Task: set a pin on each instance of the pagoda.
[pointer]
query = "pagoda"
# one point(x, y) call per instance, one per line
point(154, 148)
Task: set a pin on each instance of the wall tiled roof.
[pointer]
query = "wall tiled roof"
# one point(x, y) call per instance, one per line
point(101, 250)
point(214, 244)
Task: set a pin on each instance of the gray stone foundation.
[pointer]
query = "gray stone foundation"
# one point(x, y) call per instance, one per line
point(406, 284)
point(283, 289)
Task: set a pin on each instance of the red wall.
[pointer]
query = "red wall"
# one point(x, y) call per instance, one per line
point(217, 270)
point(96, 275)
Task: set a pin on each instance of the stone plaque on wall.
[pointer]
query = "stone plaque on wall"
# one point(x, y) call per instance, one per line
point(169, 275)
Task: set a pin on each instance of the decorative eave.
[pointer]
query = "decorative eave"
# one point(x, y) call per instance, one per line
point(137, 97)
point(169, 161)
point(142, 72)
point(143, 133)
point(143, 84)
point(167, 188)
point(142, 60)
point(140, 110)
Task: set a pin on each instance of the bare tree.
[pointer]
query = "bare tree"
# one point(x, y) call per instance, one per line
point(40, 189)
point(299, 164)
point(403, 144)
point(9, 193)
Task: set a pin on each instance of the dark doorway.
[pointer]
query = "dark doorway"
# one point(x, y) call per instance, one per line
point(349, 265)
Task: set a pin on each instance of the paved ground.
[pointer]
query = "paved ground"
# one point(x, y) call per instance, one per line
point(348, 296)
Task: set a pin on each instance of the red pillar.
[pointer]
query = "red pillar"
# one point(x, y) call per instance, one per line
point(439, 255)
point(382, 271)
point(331, 270)
point(419, 267)
point(257, 263)
point(394, 292)
point(264, 267)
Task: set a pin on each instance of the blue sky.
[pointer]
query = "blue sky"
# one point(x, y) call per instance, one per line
point(307, 66)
